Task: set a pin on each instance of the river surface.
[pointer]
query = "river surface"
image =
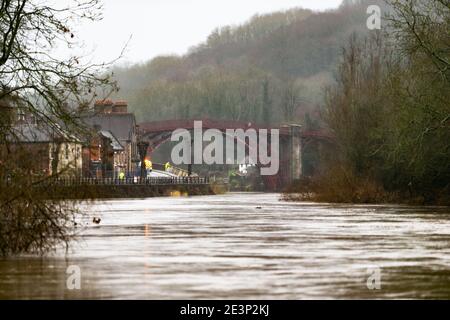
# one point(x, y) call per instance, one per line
point(243, 246)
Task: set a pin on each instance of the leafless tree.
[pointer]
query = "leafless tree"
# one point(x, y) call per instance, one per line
point(423, 27)
point(35, 78)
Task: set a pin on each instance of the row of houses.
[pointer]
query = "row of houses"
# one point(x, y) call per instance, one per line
point(114, 148)
point(108, 149)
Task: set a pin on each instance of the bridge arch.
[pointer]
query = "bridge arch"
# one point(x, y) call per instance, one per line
point(291, 141)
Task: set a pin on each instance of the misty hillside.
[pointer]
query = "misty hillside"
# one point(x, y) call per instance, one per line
point(270, 70)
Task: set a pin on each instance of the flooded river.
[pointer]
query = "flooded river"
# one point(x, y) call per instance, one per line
point(243, 246)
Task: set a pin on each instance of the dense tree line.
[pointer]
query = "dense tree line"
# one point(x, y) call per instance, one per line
point(390, 111)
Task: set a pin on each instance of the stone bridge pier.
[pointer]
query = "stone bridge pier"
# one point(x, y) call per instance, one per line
point(295, 154)
point(291, 158)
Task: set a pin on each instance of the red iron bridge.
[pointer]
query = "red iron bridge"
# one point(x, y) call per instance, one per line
point(293, 141)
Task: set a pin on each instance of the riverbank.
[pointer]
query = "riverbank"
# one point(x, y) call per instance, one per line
point(91, 192)
point(360, 192)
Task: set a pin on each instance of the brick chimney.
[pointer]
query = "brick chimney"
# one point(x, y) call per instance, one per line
point(103, 106)
point(121, 106)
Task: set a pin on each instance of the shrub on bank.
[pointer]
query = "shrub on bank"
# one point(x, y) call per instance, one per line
point(341, 185)
point(338, 185)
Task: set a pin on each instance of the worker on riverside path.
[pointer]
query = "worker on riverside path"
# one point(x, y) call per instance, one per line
point(148, 165)
point(167, 166)
point(121, 175)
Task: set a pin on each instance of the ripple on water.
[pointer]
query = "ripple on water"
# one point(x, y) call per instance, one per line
point(226, 247)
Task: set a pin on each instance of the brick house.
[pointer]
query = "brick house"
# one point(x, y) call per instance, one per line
point(45, 151)
point(35, 147)
point(113, 117)
point(103, 156)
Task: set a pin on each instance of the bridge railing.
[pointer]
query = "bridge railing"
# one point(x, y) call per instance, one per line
point(126, 181)
point(174, 170)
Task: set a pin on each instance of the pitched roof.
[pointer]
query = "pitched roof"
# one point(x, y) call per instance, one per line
point(114, 142)
point(38, 133)
point(121, 125)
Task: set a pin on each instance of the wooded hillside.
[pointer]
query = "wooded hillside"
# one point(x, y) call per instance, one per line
point(271, 69)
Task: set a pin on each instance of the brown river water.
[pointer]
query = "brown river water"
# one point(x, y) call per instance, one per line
point(243, 246)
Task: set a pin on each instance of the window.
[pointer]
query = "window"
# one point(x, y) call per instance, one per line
point(21, 115)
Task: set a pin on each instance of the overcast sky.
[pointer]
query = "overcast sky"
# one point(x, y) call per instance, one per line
point(172, 26)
